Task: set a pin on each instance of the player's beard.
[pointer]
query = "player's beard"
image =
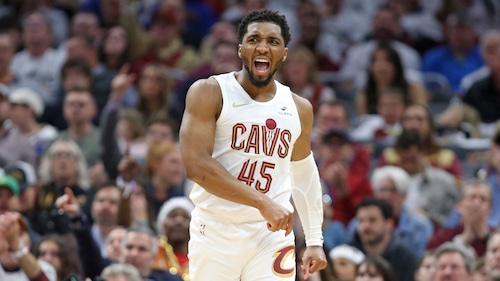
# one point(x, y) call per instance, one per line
point(258, 82)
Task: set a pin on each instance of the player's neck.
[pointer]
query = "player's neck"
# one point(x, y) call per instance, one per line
point(261, 94)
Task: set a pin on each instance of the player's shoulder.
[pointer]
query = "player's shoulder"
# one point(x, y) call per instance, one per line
point(303, 104)
point(206, 87)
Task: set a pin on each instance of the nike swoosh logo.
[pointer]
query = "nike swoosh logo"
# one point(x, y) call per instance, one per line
point(239, 104)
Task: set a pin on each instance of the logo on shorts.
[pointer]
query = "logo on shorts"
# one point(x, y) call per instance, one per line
point(284, 262)
point(202, 228)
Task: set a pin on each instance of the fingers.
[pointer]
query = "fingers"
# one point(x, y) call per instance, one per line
point(61, 201)
point(70, 194)
point(125, 68)
point(289, 227)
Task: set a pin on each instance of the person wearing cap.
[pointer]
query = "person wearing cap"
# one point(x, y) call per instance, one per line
point(459, 57)
point(345, 259)
point(173, 226)
point(25, 175)
point(16, 260)
point(341, 170)
point(13, 146)
point(25, 107)
point(9, 187)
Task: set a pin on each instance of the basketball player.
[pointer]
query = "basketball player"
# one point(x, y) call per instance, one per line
point(245, 142)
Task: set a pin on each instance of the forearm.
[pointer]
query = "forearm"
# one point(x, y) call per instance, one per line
point(307, 197)
point(214, 178)
point(30, 266)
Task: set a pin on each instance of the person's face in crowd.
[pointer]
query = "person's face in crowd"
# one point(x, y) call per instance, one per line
point(4, 109)
point(480, 275)
point(492, 257)
point(382, 69)
point(105, 205)
point(410, 160)
point(494, 156)
point(225, 59)
point(113, 244)
point(368, 273)
point(49, 251)
point(158, 132)
point(415, 117)
point(223, 31)
point(385, 25)
point(389, 192)
point(460, 36)
point(475, 204)
point(111, 11)
point(491, 54)
point(176, 226)
point(296, 69)
point(7, 51)
point(118, 277)
point(390, 107)
point(18, 113)
point(137, 251)
point(6, 198)
point(36, 31)
point(251, 5)
point(150, 83)
point(171, 168)
point(344, 269)
point(337, 149)
point(75, 78)
point(116, 42)
point(451, 267)
point(262, 51)
point(79, 108)
point(85, 25)
point(64, 163)
point(329, 116)
point(124, 130)
point(373, 227)
point(427, 270)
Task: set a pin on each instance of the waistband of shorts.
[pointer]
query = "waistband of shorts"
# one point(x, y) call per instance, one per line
point(221, 217)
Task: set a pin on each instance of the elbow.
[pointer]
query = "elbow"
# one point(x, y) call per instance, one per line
point(194, 171)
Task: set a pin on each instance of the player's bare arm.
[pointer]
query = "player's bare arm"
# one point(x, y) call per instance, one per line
point(307, 191)
point(203, 105)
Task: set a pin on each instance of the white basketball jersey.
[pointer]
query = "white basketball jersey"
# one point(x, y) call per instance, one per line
point(254, 142)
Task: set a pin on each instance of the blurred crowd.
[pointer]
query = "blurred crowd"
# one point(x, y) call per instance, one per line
point(406, 96)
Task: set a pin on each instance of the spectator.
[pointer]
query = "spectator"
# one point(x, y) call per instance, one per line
point(375, 267)
point(139, 248)
point(25, 107)
point(374, 236)
point(479, 273)
point(26, 177)
point(334, 232)
point(7, 52)
point(86, 24)
point(164, 173)
point(13, 147)
point(385, 27)
point(19, 264)
point(346, 260)
point(113, 244)
point(62, 166)
point(300, 73)
point(79, 110)
point(173, 227)
point(38, 63)
point(57, 251)
point(453, 262)
point(342, 171)
point(473, 230)
point(384, 126)
point(431, 192)
point(390, 183)
point(121, 272)
point(386, 72)
point(494, 180)
point(490, 43)
point(459, 57)
point(482, 94)
point(9, 188)
point(426, 268)
point(114, 51)
point(492, 257)
point(221, 31)
point(420, 119)
point(104, 209)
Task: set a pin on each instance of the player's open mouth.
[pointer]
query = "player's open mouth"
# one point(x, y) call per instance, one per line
point(261, 66)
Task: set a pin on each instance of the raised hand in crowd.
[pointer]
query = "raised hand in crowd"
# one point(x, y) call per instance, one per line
point(68, 204)
point(122, 81)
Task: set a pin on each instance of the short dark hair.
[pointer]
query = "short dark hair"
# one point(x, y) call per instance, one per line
point(76, 63)
point(382, 266)
point(408, 139)
point(265, 16)
point(384, 206)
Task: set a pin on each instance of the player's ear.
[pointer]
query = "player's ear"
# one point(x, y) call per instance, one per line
point(239, 51)
point(285, 54)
